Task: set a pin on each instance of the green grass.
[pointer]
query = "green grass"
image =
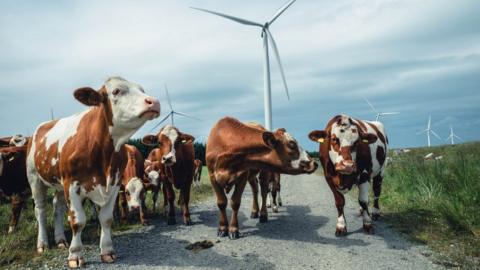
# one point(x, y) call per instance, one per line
point(437, 202)
point(19, 249)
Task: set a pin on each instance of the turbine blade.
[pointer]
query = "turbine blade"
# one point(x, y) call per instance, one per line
point(168, 98)
point(370, 104)
point(389, 113)
point(277, 56)
point(436, 135)
point(457, 137)
point(186, 115)
point(429, 120)
point(423, 131)
point(159, 123)
point(281, 10)
point(448, 138)
point(236, 19)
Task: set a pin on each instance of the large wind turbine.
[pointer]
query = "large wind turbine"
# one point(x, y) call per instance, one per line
point(452, 136)
point(377, 113)
point(429, 130)
point(267, 36)
point(172, 112)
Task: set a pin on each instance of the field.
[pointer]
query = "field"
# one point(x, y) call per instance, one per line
point(437, 202)
point(19, 248)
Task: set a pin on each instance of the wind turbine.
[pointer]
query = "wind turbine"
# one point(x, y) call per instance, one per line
point(172, 112)
point(267, 36)
point(51, 113)
point(378, 114)
point(452, 136)
point(429, 130)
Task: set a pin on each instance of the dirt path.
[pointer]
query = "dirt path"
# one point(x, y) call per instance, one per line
point(300, 236)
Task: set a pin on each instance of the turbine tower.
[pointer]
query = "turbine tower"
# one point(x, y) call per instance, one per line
point(452, 136)
point(377, 113)
point(172, 112)
point(267, 37)
point(429, 130)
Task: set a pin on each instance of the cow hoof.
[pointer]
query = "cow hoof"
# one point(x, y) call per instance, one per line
point(269, 205)
point(375, 216)
point(62, 244)
point(171, 221)
point(341, 231)
point(275, 209)
point(254, 215)
point(234, 235)
point(222, 233)
point(368, 229)
point(263, 219)
point(360, 211)
point(280, 203)
point(108, 258)
point(76, 263)
point(41, 249)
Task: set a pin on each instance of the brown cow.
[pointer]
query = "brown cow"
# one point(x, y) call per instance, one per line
point(132, 190)
point(13, 180)
point(176, 154)
point(236, 152)
point(83, 156)
point(153, 175)
point(352, 152)
point(197, 172)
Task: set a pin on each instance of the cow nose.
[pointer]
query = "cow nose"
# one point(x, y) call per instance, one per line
point(152, 103)
point(346, 167)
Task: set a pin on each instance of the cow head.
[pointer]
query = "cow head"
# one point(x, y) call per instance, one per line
point(151, 170)
point(293, 159)
point(168, 140)
point(135, 193)
point(126, 106)
point(18, 140)
point(342, 140)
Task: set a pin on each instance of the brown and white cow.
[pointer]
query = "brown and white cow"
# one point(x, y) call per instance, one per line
point(352, 152)
point(197, 172)
point(236, 152)
point(83, 156)
point(176, 153)
point(132, 190)
point(13, 180)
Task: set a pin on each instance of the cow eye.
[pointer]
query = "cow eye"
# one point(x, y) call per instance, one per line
point(116, 92)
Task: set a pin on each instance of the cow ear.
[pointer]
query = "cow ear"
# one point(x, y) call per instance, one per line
point(88, 96)
point(150, 140)
point(368, 138)
point(269, 139)
point(186, 138)
point(317, 136)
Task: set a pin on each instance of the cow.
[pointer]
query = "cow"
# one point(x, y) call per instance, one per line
point(153, 175)
point(352, 152)
point(16, 140)
point(274, 199)
point(83, 156)
point(176, 155)
point(132, 189)
point(13, 180)
point(197, 172)
point(236, 152)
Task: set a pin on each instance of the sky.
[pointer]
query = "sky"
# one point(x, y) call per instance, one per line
point(414, 57)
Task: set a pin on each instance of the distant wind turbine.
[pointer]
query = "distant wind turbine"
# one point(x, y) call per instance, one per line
point(377, 113)
point(172, 112)
point(51, 113)
point(267, 36)
point(452, 136)
point(429, 130)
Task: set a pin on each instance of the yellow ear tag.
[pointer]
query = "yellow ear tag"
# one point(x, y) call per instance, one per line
point(365, 141)
point(184, 141)
point(321, 140)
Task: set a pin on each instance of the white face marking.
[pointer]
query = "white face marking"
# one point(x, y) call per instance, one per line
point(18, 140)
point(54, 161)
point(153, 176)
point(135, 188)
point(303, 154)
point(171, 133)
point(63, 130)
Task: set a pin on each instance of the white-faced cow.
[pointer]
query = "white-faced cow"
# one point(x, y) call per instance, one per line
point(236, 152)
point(176, 153)
point(352, 152)
point(83, 156)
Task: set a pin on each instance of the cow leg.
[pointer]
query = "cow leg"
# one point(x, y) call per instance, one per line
point(264, 192)
point(377, 189)
point(123, 206)
point(18, 202)
point(341, 227)
point(222, 206)
point(143, 210)
point(236, 199)
point(273, 193)
point(279, 198)
point(155, 198)
point(269, 197)
point(169, 193)
point(105, 216)
point(59, 209)
point(254, 185)
point(39, 194)
point(363, 200)
point(185, 195)
point(77, 220)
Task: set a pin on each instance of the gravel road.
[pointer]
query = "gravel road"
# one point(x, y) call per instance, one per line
point(300, 236)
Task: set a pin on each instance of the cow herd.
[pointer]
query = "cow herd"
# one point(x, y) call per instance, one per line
point(85, 156)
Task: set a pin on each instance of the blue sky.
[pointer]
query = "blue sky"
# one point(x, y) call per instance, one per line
point(415, 57)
